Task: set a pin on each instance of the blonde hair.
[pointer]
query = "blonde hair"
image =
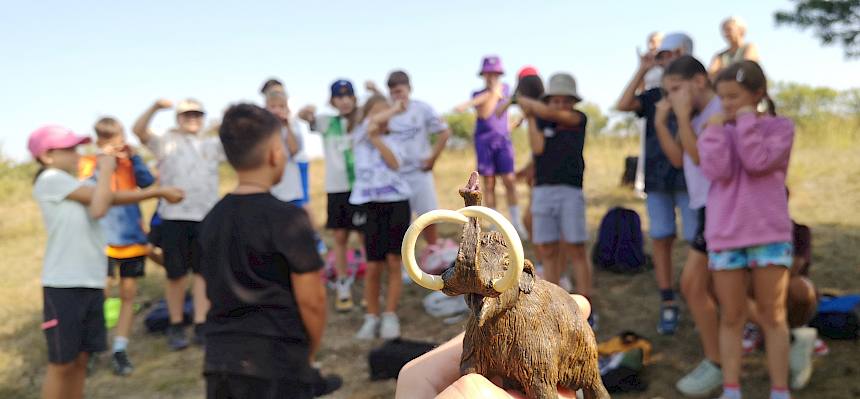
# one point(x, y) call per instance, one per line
point(107, 127)
point(737, 21)
point(370, 103)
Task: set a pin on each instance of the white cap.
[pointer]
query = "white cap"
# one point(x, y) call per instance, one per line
point(676, 40)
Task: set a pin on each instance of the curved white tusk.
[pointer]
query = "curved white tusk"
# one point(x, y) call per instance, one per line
point(515, 245)
point(407, 250)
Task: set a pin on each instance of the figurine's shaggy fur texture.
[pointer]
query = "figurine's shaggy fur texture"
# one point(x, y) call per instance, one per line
point(532, 336)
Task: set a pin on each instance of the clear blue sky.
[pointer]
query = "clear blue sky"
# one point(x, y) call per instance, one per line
point(71, 62)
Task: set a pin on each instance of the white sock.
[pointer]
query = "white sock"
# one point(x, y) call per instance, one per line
point(514, 210)
point(120, 344)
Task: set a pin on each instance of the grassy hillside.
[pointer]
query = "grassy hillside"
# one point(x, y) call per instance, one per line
point(825, 193)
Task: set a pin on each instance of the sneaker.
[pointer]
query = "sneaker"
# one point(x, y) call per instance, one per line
point(821, 347)
point(668, 319)
point(702, 381)
point(800, 356)
point(199, 335)
point(390, 326)
point(325, 384)
point(176, 339)
point(752, 339)
point(343, 301)
point(121, 365)
point(369, 329)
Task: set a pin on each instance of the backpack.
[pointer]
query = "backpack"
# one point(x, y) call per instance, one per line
point(387, 360)
point(838, 317)
point(157, 320)
point(619, 246)
point(628, 178)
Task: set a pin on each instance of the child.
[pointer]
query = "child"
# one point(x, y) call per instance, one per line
point(188, 160)
point(127, 243)
point(268, 302)
point(384, 194)
point(557, 138)
point(692, 101)
point(73, 275)
point(289, 189)
point(745, 156)
point(664, 184)
point(493, 138)
point(339, 177)
point(411, 130)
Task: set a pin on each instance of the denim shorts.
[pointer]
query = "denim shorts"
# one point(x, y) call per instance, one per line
point(661, 214)
point(776, 254)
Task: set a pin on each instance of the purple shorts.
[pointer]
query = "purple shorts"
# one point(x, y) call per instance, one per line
point(495, 156)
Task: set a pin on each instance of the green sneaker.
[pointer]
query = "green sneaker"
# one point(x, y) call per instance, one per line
point(703, 380)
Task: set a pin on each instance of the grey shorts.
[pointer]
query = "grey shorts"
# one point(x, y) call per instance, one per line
point(423, 188)
point(558, 212)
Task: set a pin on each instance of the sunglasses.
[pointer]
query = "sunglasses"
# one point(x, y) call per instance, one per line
point(192, 114)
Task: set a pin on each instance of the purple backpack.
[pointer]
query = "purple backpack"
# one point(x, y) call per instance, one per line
point(619, 246)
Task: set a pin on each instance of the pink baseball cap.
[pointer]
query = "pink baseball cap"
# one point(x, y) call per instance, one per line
point(53, 137)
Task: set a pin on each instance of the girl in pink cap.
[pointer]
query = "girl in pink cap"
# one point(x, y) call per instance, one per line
point(74, 265)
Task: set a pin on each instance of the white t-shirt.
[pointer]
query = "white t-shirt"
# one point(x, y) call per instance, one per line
point(290, 186)
point(189, 162)
point(697, 184)
point(374, 180)
point(653, 77)
point(411, 131)
point(74, 253)
point(337, 147)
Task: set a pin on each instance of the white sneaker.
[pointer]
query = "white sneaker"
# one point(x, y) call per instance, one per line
point(368, 330)
point(343, 296)
point(700, 382)
point(800, 356)
point(390, 326)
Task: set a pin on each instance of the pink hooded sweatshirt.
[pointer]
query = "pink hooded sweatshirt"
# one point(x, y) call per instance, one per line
point(746, 163)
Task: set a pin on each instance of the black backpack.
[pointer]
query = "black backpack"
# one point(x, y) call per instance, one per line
point(387, 360)
point(619, 246)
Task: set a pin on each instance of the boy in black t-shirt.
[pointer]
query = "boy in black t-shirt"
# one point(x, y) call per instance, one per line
point(557, 138)
point(260, 265)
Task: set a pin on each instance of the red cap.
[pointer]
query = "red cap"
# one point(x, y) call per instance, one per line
point(527, 70)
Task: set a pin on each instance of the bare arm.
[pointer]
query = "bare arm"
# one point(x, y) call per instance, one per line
point(385, 151)
point(97, 199)
point(716, 65)
point(441, 140)
point(540, 110)
point(628, 101)
point(669, 145)
point(89, 196)
point(476, 101)
point(491, 99)
point(688, 139)
point(311, 299)
point(290, 140)
point(536, 138)
point(141, 126)
point(751, 53)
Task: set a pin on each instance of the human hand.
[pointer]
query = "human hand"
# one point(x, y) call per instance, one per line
point(106, 163)
point(307, 113)
point(427, 164)
point(399, 106)
point(682, 102)
point(661, 110)
point(162, 103)
point(436, 374)
point(718, 119)
point(371, 87)
point(171, 194)
point(647, 60)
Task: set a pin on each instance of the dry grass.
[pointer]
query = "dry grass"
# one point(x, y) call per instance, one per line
point(825, 193)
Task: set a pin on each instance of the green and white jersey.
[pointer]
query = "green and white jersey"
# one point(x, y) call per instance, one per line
point(339, 160)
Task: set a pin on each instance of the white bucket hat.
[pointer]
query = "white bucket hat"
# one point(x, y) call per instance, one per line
point(562, 84)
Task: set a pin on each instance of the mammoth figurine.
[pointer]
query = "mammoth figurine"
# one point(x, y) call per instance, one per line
point(523, 329)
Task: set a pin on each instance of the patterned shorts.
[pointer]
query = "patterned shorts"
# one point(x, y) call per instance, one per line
point(776, 254)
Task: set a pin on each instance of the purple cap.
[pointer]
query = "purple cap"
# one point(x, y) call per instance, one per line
point(491, 64)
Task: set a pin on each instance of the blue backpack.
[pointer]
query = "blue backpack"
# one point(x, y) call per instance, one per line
point(838, 317)
point(619, 246)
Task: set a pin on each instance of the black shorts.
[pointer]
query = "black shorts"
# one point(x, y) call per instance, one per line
point(74, 322)
point(179, 242)
point(386, 225)
point(131, 267)
point(342, 214)
point(699, 243)
point(154, 236)
point(233, 386)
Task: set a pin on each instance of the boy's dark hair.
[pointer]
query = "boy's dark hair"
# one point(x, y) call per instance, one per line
point(398, 78)
point(269, 84)
point(107, 127)
point(243, 131)
point(750, 76)
point(686, 67)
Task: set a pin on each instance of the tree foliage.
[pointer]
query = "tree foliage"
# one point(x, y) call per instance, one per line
point(834, 21)
point(597, 121)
